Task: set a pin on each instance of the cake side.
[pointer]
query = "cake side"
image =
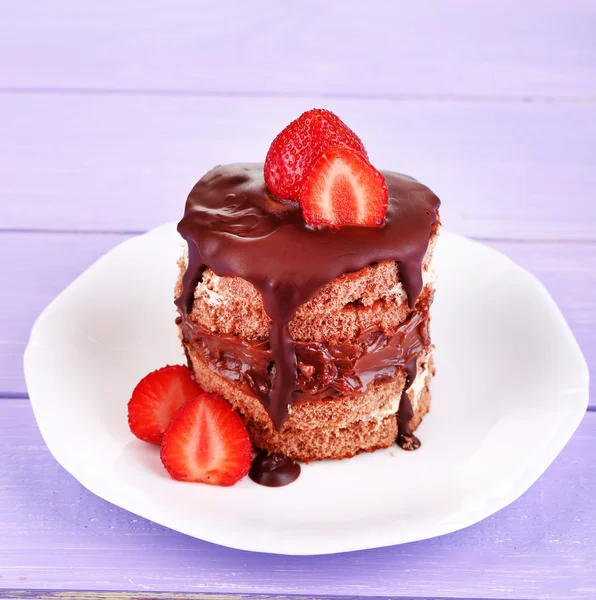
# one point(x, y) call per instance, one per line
point(373, 296)
point(321, 429)
point(314, 337)
point(340, 421)
point(327, 365)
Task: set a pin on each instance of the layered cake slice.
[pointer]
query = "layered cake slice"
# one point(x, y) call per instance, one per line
point(305, 292)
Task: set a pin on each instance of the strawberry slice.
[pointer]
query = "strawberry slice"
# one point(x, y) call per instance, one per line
point(207, 442)
point(156, 399)
point(299, 145)
point(343, 188)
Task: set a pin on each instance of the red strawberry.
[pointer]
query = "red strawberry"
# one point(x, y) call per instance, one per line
point(298, 146)
point(156, 399)
point(207, 441)
point(343, 188)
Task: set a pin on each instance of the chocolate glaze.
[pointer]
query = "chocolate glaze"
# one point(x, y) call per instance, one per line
point(235, 227)
point(273, 470)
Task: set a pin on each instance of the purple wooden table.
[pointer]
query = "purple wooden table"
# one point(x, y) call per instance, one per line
point(110, 112)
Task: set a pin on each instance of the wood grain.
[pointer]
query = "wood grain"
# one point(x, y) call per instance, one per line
point(514, 171)
point(58, 536)
point(96, 595)
point(453, 48)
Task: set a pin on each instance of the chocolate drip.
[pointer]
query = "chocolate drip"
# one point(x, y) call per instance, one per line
point(405, 438)
point(191, 278)
point(237, 229)
point(410, 273)
point(273, 470)
point(285, 376)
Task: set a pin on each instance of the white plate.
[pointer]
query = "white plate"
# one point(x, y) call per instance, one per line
point(510, 390)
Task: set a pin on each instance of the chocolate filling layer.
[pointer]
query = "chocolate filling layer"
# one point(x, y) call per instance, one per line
point(324, 370)
point(237, 229)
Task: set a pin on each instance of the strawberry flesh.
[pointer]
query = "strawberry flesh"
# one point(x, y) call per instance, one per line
point(342, 189)
point(295, 150)
point(156, 399)
point(207, 442)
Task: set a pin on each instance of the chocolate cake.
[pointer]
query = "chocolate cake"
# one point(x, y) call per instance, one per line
point(318, 337)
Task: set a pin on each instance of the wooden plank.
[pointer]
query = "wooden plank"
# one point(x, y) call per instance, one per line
point(34, 268)
point(45, 263)
point(127, 163)
point(56, 535)
point(430, 47)
point(86, 595)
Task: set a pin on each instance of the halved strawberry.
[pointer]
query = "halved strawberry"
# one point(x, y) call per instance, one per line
point(299, 145)
point(343, 188)
point(156, 399)
point(207, 441)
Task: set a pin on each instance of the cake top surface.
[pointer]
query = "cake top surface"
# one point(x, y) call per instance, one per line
point(234, 226)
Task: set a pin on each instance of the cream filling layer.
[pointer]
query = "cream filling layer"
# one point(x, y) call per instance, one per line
point(414, 393)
